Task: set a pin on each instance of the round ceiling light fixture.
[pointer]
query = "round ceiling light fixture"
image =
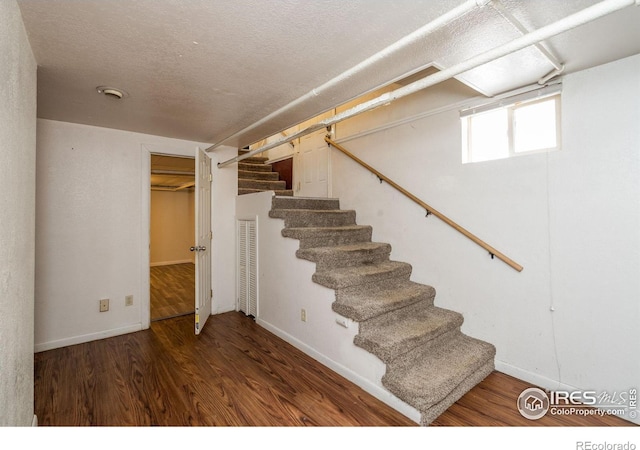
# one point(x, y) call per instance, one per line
point(111, 92)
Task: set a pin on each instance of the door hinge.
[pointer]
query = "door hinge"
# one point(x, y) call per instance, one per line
point(210, 235)
point(211, 293)
point(210, 177)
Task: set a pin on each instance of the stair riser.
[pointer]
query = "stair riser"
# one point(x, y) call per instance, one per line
point(306, 203)
point(255, 160)
point(327, 280)
point(255, 167)
point(330, 240)
point(302, 218)
point(348, 259)
point(396, 332)
point(267, 176)
point(361, 315)
point(387, 355)
point(264, 185)
point(431, 414)
point(276, 191)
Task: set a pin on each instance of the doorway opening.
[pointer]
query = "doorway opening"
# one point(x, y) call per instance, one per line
point(172, 233)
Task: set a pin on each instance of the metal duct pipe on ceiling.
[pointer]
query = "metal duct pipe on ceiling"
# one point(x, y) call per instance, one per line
point(574, 20)
point(553, 59)
point(406, 41)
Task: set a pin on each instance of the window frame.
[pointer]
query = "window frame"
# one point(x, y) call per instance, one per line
point(467, 150)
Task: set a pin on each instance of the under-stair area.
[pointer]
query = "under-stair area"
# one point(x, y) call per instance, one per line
point(255, 175)
point(429, 362)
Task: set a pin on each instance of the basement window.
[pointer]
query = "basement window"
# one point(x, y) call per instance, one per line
point(512, 127)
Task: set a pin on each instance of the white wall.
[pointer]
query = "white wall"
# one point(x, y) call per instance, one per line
point(571, 218)
point(92, 230)
point(17, 225)
point(223, 246)
point(172, 227)
point(595, 229)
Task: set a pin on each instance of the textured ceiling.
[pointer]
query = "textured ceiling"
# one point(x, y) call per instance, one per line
point(204, 69)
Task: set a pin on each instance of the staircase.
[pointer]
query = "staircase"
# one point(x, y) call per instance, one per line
point(429, 362)
point(254, 175)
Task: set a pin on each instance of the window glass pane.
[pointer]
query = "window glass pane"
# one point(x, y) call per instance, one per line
point(489, 136)
point(535, 126)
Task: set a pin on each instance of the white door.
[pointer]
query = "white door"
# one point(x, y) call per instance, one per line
point(202, 246)
point(312, 166)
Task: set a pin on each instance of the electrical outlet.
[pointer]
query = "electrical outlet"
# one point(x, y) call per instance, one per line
point(128, 300)
point(303, 315)
point(104, 305)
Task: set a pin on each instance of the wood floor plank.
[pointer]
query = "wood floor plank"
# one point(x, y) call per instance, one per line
point(172, 290)
point(235, 373)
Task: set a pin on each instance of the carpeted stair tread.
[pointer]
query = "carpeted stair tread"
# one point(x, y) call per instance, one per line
point(305, 203)
point(261, 184)
point(257, 175)
point(358, 275)
point(286, 192)
point(346, 255)
point(310, 237)
point(425, 376)
point(254, 167)
point(362, 303)
point(295, 218)
point(392, 334)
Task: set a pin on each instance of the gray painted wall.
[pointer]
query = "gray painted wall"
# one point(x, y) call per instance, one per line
point(17, 224)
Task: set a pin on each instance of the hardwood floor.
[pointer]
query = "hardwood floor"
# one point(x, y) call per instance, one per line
point(234, 373)
point(172, 290)
point(493, 403)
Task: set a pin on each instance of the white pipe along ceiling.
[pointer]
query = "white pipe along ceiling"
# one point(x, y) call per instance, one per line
point(187, 73)
point(532, 38)
point(367, 64)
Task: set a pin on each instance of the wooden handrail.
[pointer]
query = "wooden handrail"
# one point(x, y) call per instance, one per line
point(492, 251)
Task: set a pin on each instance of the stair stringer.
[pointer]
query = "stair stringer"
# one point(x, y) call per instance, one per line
point(286, 286)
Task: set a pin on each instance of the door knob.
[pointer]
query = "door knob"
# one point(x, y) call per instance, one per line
point(199, 248)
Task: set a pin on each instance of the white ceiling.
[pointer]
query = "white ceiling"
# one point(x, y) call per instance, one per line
point(204, 69)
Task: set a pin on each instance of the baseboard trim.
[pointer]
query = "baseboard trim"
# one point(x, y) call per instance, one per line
point(378, 392)
point(540, 381)
point(66, 342)
point(34, 422)
point(531, 377)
